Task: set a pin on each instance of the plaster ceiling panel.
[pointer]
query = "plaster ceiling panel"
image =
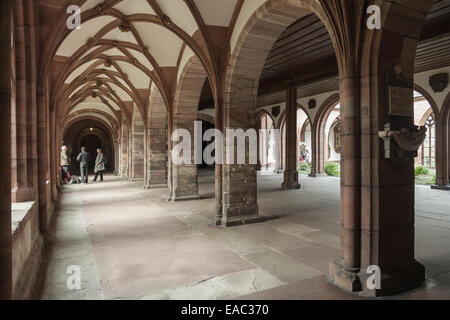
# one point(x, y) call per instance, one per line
point(216, 12)
point(113, 52)
point(142, 59)
point(96, 115)
point(78, 38)
point(93, 106)
point(138, 78)
point(89, 4)
point(80, 70)
point(120, 92)
point(162, 44)
point(116, 34)
point(112, 103)
point(90, 51)
point(179, 13)
point(130, 7)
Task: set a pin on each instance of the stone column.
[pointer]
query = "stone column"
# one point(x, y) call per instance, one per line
point(124, 149)
point(443, 150)
point(5, 159)
point(345, 270)
point(138, 131)
point(156, 144)
point(45, 202)
point(217, 218)
point(21, 192)
point(290, 172)
point(377, 194)
point(184, 176)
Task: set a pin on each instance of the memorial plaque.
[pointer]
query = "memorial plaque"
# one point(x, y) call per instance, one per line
point(401, 101)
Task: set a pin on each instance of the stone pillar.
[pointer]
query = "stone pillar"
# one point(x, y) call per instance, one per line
point(377, 194)
point(45, 201)
point(21, 192)
point(184, 176)
point(217, 218)
point(138, 131)
point(5, 159)
point(157, 143)
point(239, 181)
point(290, 172)
point(443, 149)
point(124, 149)
point(345, 270)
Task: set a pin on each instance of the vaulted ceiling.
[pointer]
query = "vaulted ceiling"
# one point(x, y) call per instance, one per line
point(127, 48)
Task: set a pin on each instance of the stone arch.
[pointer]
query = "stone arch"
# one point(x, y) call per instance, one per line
point(263, 159)
point(156, 171)
point(318, 135)
point(206, 117)
point(183, 179)
point(79, 128)
point(240, 97)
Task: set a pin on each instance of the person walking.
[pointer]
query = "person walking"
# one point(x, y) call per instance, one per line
point(65, 162)
point(83, 158)
point(100, 162)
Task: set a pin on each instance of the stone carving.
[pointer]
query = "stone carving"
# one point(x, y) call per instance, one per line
point(312, 103)
point(402, 145)
point(439, 82)
point(276, 111)
point(125, 26)
point(108, 63)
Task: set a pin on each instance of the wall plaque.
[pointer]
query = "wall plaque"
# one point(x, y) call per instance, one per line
point(401, 101)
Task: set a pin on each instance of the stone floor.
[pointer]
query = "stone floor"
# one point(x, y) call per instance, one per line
point(131, 243)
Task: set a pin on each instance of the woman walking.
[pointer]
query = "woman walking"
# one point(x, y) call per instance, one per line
point(100, 162)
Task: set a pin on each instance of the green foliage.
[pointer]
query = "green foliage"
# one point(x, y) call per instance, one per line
point(421, 171)
point(332, 169)
point(304, 167)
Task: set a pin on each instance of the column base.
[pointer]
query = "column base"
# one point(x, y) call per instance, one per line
point(392, 282)
point(22, 195)
point(317, 175)
point(344, 279)
point(184, 198)
point(240, 220)
point(290, 180)
point(443, 187)
point(156, 186)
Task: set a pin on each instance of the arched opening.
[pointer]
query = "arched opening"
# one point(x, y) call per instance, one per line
point(327, 145)
point(268, 144)
point(92, 134)
point(425, 162)
point(304, 141)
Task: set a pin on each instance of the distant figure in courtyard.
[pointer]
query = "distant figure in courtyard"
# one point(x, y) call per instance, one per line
point(100, 163)
point(84, 158)
point(304, 153)
point(65, 162)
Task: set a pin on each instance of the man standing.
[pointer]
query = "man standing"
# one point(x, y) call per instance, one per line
point(100, 162)
point(84, 158)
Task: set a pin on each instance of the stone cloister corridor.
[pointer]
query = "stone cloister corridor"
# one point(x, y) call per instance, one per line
point(132, 244)
point(242, 149)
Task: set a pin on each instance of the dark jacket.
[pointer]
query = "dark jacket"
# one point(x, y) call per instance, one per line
point(83, 158)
